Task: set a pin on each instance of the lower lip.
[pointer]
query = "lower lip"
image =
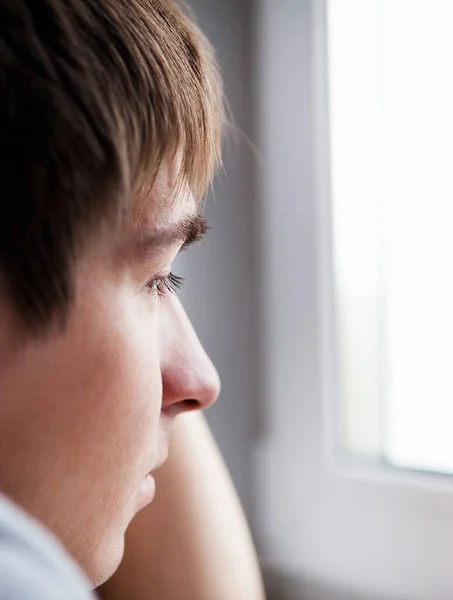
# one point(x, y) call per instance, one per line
point(147, 491)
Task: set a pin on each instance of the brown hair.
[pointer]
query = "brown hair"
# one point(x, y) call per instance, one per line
point(93, 95)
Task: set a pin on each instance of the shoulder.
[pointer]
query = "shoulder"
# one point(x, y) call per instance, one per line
point(33, 564)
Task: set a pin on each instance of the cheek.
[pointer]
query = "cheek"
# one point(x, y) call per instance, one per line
point(123, 381)
point(117, 411)
point(102, 395)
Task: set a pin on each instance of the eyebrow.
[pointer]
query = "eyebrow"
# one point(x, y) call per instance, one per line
point(189, 230)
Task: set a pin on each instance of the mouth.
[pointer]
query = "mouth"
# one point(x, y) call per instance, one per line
point(148, 483)
point(147, 489)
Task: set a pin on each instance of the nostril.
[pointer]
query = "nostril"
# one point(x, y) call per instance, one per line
point(189, 390)
point(182, 406)
point(191, 404)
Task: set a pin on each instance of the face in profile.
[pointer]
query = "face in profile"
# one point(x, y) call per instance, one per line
point(87, 414)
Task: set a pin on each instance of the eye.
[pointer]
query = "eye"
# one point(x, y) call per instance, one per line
point(163, 286)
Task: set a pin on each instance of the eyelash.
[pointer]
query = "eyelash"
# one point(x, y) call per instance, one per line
point(163, 286)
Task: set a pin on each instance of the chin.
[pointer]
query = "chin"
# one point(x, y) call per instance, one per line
point(106, 562)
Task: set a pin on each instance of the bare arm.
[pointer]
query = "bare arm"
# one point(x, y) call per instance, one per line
point(192, 542)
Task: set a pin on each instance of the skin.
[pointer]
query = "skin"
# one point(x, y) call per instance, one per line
point(86, 415)
point(192, 542)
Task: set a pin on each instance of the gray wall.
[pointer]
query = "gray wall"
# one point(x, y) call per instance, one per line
point(220, 294)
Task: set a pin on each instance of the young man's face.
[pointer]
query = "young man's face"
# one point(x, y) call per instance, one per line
point(86, 415)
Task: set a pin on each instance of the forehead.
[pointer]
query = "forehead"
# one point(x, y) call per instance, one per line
point(163, 203)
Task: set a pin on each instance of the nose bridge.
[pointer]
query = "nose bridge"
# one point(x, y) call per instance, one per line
point(187, 371)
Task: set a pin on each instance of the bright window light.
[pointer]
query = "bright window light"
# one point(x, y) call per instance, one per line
point(391, 142)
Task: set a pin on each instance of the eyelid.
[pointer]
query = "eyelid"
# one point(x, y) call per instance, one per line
point(164, 285)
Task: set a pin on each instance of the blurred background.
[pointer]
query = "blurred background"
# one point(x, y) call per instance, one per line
point(324, 293)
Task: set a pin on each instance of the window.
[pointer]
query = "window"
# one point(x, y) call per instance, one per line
point(361, 532)
point(391, 154)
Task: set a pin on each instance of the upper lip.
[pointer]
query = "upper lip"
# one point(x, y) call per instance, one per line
point(161, 455)
point(161, 460)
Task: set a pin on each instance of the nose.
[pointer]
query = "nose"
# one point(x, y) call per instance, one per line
point(189, 379)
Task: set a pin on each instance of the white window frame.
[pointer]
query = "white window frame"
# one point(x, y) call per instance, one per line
point(376, 532)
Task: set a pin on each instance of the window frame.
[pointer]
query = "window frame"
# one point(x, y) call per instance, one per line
point(356, 525)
